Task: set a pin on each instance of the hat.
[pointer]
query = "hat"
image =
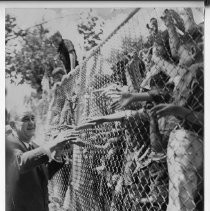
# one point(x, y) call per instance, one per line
point(153, 21)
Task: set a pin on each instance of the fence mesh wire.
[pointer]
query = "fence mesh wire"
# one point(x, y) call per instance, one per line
point(131, 160)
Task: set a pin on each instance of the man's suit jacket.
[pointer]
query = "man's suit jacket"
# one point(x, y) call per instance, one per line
point(30, 174)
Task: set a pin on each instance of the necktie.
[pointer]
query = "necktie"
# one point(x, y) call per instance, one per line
point(30, 147)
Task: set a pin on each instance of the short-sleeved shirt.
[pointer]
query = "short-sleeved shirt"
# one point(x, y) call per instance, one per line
point(66, 47)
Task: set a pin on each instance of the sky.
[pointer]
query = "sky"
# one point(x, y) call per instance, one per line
point(65, 21)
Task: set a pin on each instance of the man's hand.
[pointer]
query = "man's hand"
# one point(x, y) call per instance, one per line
point(90, 123)
point(165, 110)
point(59, 141)
point(109, 90)
point(124, 99)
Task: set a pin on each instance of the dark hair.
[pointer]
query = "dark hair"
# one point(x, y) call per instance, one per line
point(159, 80)
point(57, 34)
point(153, 19)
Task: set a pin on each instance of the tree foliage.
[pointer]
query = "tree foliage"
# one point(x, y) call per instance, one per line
point(11, 29)
point(13, 35)
point(128, 46)
point(91, 28)
point(34, 57)
point(132, 44)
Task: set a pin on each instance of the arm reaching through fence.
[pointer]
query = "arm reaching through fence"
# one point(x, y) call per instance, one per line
point(179, 111)
point(118, 116)
point(159, 93)
point(155, 136)
point(126, 98)
point(110, 143)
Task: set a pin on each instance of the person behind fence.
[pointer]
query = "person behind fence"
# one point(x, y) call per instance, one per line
point(186, 48)
point(158, 41)
point(185, 148)
point(161, 91)
point(66, 51)
point(32, 165)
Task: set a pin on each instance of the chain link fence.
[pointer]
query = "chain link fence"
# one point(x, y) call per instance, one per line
point(144, 154)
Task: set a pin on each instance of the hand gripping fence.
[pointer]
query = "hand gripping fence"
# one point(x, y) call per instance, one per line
point(130, 159)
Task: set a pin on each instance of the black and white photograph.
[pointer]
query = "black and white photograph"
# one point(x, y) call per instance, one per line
point(104, 109)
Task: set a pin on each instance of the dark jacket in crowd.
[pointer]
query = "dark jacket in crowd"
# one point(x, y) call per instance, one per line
point(29, 172)
point(66, 47)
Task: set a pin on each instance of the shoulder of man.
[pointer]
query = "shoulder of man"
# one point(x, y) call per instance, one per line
point(8, 130)
point(10, 135)
point(13, 142)
point(11, 139)
point(69, 45)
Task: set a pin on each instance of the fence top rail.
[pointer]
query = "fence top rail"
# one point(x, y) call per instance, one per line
point(93, 51)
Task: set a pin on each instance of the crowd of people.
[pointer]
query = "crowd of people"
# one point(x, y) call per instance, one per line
point(158, 149)
point(172, 109)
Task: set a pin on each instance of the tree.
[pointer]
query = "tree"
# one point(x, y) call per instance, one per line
point(91, 28)
point(13, 35)
point(132, 44)
point(128, 46)
point(11, 30)
point(34, 59)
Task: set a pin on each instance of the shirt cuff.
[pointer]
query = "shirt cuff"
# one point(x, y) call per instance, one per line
point(49, 154)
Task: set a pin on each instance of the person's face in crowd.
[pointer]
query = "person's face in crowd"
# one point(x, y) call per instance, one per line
point(154, 26)
point(135, 55)
point(28, 125)
point(186, 15)
point(57, 40)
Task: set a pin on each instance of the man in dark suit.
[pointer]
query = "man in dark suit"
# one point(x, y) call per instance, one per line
point(29, 166)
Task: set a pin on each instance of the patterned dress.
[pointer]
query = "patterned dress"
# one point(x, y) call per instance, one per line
point(185, 154)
